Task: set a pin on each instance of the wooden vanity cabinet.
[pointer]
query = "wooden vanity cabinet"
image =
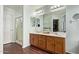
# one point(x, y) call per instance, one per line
point(50, 43)
point(42, 42)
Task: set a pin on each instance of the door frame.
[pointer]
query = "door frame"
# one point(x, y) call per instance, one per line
point(21, 43)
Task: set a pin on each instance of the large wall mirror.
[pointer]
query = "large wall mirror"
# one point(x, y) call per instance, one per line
point(51, 21)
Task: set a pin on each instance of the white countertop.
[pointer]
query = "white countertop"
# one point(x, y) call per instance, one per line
point(57, 34)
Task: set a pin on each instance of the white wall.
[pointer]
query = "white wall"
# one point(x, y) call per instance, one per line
point(27, 13)
point(18, 13)
point(72, 39)
point(1, 29)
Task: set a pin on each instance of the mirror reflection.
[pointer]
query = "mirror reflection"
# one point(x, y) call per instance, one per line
point(50, 21)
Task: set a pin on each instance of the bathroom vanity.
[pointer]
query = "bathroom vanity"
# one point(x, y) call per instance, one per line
point(49, 42)
point(49, 35)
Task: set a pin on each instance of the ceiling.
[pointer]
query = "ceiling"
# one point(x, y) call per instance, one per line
point(16, 7)
point(19, 8)
point(35, 7)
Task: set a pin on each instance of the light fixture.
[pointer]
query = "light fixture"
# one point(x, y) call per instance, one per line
point(56, 6)
point(39, 12)
point(75, 18)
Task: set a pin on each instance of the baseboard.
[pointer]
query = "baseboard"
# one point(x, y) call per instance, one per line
point(68, 53)
point(24, 46)
point(9, 43)
point(13, 43)
point(19, 42)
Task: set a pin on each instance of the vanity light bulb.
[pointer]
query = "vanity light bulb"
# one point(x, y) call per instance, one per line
point(58, 6)
point(55, 6)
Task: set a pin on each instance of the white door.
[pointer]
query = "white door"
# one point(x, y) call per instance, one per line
point(9, 28)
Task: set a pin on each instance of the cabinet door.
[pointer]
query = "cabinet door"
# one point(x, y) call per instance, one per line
point(31, 39)
point(35, 40)
point(59, 45)
point(42, 42)
point(50, 44)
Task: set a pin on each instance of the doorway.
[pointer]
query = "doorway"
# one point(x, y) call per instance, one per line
point(13, 24)
point(19, 30)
